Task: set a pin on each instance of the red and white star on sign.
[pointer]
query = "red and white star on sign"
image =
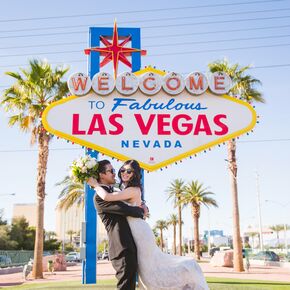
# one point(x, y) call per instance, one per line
point(115, 51)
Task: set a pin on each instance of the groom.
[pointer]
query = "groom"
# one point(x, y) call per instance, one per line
point(122, 249)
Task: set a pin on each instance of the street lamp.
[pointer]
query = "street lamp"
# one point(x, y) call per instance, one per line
point(284, 224)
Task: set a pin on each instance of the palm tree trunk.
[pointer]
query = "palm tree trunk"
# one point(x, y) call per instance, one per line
point(174, 239)
point(161, 240)
point(180, 230)
point(43, 141)
point(195, 216)
point(237, 243)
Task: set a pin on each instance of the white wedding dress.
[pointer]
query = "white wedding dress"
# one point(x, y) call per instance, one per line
point(160, 271)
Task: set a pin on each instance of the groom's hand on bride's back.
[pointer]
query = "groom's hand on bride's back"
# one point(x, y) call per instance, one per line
point(145, 209)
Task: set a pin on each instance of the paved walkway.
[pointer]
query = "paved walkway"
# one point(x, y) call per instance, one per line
point(264, 273)
point(106, 271)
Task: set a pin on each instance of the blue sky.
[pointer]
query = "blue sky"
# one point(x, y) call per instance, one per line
point(183, 39)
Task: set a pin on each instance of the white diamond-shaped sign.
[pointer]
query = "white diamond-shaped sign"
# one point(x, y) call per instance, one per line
point(155, 130)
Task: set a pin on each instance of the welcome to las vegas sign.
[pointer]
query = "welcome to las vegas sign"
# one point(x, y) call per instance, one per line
point(153, 117)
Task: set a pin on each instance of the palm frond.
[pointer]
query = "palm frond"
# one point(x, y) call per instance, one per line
point(175, 190)
point(161, 225)
point(28, 97)
point(244, 85)
point(196, 194)
point(173, 219)
point(72, 193)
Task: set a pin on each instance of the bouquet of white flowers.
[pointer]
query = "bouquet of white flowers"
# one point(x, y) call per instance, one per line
point(84, 168)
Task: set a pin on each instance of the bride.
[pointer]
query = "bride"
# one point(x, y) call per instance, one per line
point(157, 270)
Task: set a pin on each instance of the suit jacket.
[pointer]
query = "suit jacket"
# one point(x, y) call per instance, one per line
point(113, 215)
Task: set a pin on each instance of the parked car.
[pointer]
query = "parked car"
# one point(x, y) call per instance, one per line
point(5, 260)
point(266, 256)
point(73, 257)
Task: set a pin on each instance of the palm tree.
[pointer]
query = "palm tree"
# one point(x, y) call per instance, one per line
point(175, 192)
point(34, 89)
point(196, 195)
point(244, 87)
point(161, 225)
point(70, 233)
point(253, 235)
point(50, 235)
point(157, 237)
point(173, 220)
point(277, 229)
point(72, 193)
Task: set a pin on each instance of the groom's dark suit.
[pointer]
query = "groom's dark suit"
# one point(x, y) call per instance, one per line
point(122, 249)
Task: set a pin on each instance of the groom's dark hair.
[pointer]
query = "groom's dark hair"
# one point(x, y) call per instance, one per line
point(102, 166)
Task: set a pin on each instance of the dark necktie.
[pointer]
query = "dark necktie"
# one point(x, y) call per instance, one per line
point(108, 188)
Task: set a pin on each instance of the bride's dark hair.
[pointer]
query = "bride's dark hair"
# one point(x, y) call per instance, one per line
point(136, 178)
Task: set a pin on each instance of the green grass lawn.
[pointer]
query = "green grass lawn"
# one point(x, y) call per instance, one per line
point(229, 284)
point(67, 285)
point(214, 284)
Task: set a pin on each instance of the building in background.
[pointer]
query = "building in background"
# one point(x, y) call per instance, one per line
point(217, 238)
point(251, 235)
point(66, 221)
point(27, 210)
point(70, 220)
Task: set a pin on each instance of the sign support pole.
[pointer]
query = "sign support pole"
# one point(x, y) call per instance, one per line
point(89, 273)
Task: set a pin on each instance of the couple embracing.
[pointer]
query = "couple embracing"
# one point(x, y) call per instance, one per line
point(132, 246)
